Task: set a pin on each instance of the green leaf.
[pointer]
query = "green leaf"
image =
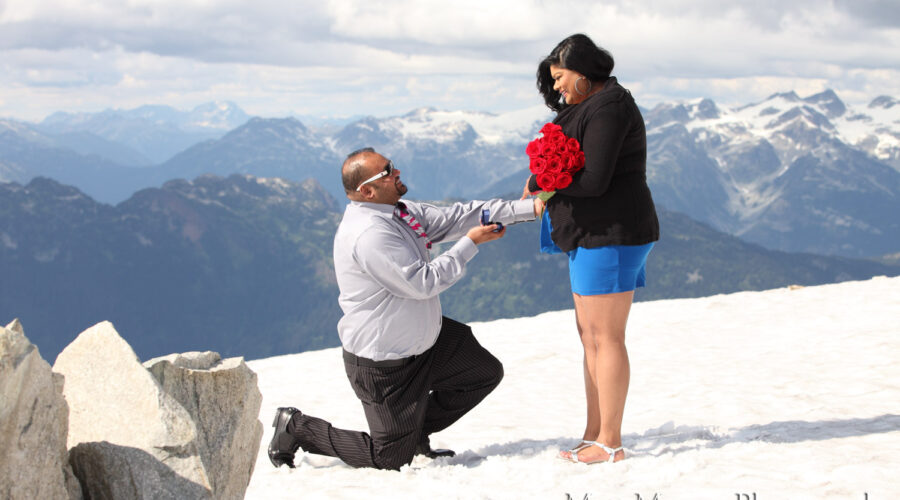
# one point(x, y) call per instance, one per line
point(545, 195)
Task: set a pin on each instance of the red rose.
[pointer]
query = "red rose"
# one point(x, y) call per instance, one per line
point(549, 150)
point(557, 139)
point(545, 181)
point(534, 148)
point(578, 160)
point(555, 165)
point(572, 145)
point(538, 165)
point(550, 127)
point(563, 180)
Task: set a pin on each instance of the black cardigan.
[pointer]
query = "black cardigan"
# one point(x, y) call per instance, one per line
point(608, 202)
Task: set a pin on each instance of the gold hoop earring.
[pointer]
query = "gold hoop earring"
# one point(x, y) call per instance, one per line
point(590, 85)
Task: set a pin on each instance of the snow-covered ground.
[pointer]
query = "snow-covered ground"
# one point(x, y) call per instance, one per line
point(767, 395)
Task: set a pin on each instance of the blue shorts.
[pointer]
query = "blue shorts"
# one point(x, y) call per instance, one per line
point(609, 269)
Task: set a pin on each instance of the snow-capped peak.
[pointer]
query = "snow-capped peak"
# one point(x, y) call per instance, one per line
point(828, 102)
point(444, 126)
point(875, 129)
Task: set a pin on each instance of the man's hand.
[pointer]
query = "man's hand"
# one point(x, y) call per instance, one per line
point(482, 234)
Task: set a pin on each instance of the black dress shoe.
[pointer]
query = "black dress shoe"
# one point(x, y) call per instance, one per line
point(425, 449)
point(283, 445)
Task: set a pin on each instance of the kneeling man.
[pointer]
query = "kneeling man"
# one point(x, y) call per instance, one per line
point(415, 371)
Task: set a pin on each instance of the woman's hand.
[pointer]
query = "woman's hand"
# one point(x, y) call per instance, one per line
point(525, 192)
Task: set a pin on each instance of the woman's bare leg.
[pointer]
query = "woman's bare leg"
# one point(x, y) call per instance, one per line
point(601, 323)
point(592, 396)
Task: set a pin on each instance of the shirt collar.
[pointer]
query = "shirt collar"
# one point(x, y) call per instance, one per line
point(381, 208)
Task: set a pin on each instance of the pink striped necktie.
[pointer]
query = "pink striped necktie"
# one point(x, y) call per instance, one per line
point(401, 212)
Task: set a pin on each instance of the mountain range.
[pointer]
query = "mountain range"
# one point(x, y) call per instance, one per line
point(795, 174)
point(243, 266)
point(147, 135)
point(110, 154)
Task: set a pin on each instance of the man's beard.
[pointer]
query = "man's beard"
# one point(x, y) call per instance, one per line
point(400, 187)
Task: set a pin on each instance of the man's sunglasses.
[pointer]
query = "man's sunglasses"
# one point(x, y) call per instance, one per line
point(388, 170)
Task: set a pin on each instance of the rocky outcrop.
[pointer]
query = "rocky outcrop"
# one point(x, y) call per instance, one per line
point(223, 398)
point(127, 435)
point(33, 423)
point(103, 425)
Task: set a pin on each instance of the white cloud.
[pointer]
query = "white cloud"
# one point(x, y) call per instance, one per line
point(386, 57)
point(459, 23)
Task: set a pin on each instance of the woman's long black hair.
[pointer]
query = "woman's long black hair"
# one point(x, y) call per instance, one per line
point(577, 53)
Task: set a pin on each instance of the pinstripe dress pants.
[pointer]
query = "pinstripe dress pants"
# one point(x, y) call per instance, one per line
point(405, 404)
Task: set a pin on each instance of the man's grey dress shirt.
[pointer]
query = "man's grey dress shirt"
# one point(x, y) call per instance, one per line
point(388, 281)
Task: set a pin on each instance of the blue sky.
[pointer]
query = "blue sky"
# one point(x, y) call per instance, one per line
point(356, 57)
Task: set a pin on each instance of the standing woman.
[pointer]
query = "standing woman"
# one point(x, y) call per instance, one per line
point(605, 221)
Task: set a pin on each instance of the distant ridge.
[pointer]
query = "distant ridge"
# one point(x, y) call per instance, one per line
point(242, 266)
point(799, 174)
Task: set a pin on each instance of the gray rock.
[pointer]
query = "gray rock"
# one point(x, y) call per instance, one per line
point(224, 400)
point(114, 399)
point(108, 472)
point(33, 423)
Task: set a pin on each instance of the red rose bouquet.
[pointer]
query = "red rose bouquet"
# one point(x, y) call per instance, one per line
point(554, 158)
